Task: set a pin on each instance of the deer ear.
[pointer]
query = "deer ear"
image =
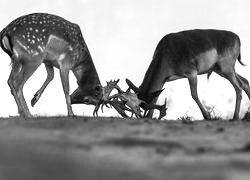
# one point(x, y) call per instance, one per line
point(132, 86)
point(156, 93)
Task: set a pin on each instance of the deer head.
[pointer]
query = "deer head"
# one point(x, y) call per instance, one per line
point(148, 97)
point(90, 90)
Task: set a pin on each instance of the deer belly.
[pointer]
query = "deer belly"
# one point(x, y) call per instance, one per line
point(205, 61)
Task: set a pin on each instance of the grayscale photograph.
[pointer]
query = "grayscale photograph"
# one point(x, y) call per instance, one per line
point(122, 89)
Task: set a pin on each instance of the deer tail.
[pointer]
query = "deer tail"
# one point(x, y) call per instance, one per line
point(239, 59)
point(5, 42)
point(209, 74)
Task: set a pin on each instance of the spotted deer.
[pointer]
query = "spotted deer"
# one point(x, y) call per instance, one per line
point(190, 53)
point(44, 38)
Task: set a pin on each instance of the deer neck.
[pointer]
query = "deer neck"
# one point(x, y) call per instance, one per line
point(153, 79)
point(85, 72)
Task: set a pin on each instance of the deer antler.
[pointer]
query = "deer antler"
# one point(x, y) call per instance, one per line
point(161, 108)
point(109, 88)
point(106, 92)
point(126, 101)
point(129, 99)
point(120, 107)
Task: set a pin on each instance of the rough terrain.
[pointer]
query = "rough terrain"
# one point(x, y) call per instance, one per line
point(65, 148)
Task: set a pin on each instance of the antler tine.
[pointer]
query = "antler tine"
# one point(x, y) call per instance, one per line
point(165, 103)
point(120, 107)
point(109, 88)
point(137, 114)
point(163, 110)
point(118, 88)
point(115, 96)
point(106, 93)
point(114, 82)
point(95, 112)
point(134, 110)
point(117, 80)
point(105, 105)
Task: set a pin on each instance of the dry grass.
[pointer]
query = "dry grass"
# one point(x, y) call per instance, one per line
point(246, 117)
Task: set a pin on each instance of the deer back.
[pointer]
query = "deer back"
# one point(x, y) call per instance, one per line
point(43, 35)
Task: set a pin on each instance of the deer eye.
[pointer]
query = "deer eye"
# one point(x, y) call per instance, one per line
point(98, 90)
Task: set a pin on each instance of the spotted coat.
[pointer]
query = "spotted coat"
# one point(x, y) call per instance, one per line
point(44, 35)
point(39, 38)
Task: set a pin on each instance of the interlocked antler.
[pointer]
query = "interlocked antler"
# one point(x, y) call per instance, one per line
point(126, 101)
point(129, 99)
point(106, 92)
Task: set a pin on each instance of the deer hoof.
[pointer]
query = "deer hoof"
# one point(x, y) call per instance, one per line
point(71, 114)
point(34, 100)
point(234, 119)
point(25, 115)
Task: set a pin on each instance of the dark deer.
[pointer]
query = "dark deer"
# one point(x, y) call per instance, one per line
point(44, 38)
point(190, 53)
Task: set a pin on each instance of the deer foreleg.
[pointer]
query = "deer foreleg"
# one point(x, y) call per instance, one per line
point(192, 78)
point(11, 82)
point(64, 74)
point(27, 70)
point(50, 76)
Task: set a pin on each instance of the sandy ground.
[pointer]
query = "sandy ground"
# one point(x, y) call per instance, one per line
point(61, 148)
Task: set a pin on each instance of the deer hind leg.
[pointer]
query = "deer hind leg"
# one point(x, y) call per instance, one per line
point(26, 72)
point(11, 82)
point(233, 79)
point(64, 74)
point(192, 78)
point(237, 84)
point(244, 84)
point(50, 76)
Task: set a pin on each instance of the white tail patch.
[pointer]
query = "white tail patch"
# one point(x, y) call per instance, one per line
point(6, 43)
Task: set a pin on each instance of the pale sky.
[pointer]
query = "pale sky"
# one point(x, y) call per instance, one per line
point(122, 36)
